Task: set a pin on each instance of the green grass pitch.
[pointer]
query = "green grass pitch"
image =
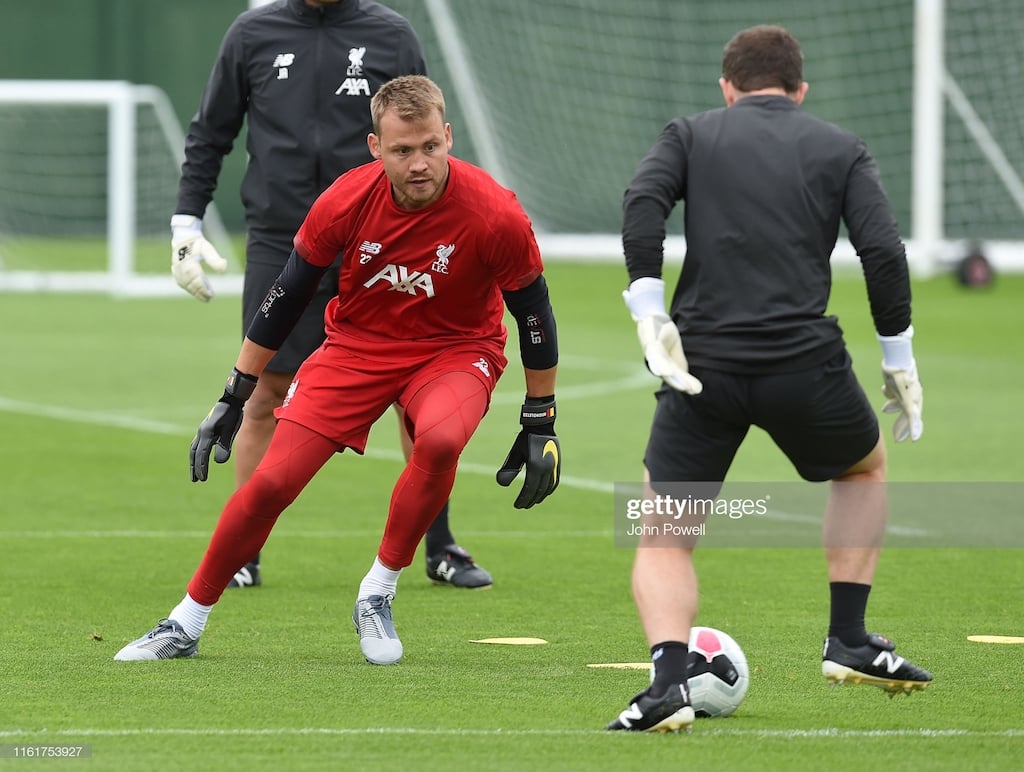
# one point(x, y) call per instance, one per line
point(101, 528)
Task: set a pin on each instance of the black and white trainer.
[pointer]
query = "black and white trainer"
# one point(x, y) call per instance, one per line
point(455, 566)
point(668, 712)
point(875, 663)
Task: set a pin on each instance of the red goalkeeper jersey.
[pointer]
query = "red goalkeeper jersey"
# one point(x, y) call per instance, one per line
point(434, 273)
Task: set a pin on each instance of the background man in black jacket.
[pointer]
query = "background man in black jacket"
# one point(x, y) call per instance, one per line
point(766, 186)
point(300, 73)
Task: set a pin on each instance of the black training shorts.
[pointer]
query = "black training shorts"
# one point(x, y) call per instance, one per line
point(265, 259)
point(819, 417)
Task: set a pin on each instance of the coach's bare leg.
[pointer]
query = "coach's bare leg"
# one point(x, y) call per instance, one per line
point(665, 587)
point(258, 423)
point(855, 519)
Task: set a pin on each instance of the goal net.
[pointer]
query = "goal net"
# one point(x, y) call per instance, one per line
point(561, 98)
point(88, 181)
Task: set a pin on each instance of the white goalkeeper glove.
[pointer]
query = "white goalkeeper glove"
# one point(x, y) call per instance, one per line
point(900, 386)
point(188, 251)
point(659, 336)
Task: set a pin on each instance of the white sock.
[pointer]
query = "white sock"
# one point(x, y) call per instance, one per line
point(191, 616)
point(379, 580)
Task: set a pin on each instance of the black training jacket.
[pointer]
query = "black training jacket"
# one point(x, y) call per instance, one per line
point(765, 186)
point(302, 78)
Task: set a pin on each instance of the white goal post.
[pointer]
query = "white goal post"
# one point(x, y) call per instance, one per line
point(78, 159)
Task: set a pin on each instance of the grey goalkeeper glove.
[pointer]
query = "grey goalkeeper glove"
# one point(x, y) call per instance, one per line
point(189, 249)
point(659, 336)
point(218, 429)
point(900, 385)
point(536, 447)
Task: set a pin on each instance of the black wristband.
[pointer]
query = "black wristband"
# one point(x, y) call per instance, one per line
point(240, 385)
point(538, 411)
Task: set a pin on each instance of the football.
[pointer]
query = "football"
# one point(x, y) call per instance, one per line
point(717, 672)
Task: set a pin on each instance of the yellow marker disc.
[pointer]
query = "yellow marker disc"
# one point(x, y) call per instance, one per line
point(996, 638)
point(625, 665)
point(513, 641)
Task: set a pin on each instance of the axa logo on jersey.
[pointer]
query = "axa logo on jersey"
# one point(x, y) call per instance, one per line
point(403, 279)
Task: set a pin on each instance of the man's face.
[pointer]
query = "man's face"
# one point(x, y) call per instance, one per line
point(415, 157)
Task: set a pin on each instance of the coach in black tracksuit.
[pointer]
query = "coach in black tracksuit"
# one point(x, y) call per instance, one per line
point(765, 187)
point(301, 74)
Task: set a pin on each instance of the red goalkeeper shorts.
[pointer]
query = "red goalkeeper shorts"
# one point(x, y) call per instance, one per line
point(343, 388)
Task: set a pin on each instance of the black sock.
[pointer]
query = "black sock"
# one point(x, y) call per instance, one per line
point(439, 535)
point(255, 560)
point(669, 658)
point(849, 601)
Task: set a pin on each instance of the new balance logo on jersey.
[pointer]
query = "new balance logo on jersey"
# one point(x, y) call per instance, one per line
point(367, 250)
point(891, 661)
point(282, 62)
point(403, 280)
point(483, 367)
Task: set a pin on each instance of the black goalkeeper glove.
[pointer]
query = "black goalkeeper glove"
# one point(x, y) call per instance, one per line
point(220, 425)
point(538, 448)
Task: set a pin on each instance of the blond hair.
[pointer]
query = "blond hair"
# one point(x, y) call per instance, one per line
point(412, 97)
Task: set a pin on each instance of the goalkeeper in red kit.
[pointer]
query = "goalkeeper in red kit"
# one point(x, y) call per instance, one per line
point(433, 250)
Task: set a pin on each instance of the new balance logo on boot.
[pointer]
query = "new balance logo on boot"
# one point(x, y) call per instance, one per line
point(668, 712)
point(873, 663)
point(454, 566)
point(247, 576)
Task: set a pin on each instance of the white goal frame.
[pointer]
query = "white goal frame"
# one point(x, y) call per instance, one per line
point(122, 100)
